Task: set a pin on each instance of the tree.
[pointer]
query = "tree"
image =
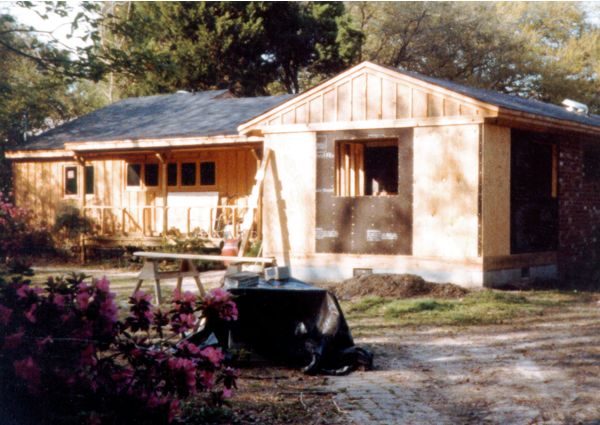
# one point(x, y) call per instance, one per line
point(547, 51)
point(34, 96)
point(244, 46)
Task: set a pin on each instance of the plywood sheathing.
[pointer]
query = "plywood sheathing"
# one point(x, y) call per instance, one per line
point(369, 92)
point(364, 224)
point(496, 191)
point(289, 195)
point(446, 177)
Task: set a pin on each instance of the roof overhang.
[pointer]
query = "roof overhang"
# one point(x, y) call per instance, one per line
point(40, 154)
point(517, 119)
point(74, 148)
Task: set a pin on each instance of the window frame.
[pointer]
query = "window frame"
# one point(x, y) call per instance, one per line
point(65, 178)
point(350, 179)
point(87, 180)
point(197, 186)
point(214, 163)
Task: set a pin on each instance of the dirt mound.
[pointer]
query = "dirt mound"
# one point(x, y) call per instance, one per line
point(396, 286)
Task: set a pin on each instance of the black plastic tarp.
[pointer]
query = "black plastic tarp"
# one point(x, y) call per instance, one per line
point(298, 324)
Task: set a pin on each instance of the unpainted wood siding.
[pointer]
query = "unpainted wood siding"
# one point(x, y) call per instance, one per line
point(372, 95)
point(39, 185)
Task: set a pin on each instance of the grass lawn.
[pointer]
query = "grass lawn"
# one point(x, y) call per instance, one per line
point(482, 307)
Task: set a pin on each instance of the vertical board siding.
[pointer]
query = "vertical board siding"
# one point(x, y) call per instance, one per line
point(358, 102)
point(369, 95)
point(38, 186)
point(373, 97)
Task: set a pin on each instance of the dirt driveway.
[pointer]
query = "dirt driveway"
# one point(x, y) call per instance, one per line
point(535, 370)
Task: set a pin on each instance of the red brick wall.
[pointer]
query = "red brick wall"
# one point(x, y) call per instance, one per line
point(579, 213)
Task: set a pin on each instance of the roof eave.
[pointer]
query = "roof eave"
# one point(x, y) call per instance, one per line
point(510, 118)
point(39, 154)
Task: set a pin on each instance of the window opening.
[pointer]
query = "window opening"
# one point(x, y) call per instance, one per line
point(172, 174)
point(133, 174)
point(207, 174)
point(70, 180)
point(188, 174)
point(151, 175)
point(89, 179)
point(367, 168)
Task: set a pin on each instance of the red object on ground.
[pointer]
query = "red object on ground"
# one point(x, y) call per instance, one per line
point(230, 248)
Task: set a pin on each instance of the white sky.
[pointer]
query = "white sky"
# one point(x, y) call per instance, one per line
point(60, 27)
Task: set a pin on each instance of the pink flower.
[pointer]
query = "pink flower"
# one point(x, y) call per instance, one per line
point(142, 296)
point(189, 347)
point(25, 291)
point(5, 314)
point(30, 314)
point(218, 295)
point(207, 378)
point(186, 367)
point(108, 310)
point(227, 392)
point(103, 284)
point(29, 371)
point(83, 299)
point(213, 355)
point(13, 341)
point(59, 300)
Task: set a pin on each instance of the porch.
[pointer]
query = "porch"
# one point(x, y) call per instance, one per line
point(203, 192)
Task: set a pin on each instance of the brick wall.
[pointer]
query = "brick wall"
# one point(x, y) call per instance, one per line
point(579, 213)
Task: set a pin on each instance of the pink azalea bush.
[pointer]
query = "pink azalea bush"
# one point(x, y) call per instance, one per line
point(17, 237)
point(65, 357)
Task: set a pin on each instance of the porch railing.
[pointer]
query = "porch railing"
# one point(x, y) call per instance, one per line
point(215, 222)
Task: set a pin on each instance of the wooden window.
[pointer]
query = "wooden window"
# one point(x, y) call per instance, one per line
point(188, 174)
point(134, 172)
point(172, 174)
point(207, 174)
point(89, 179)
point(366, 168)
point(151, 175)
point(71, 180)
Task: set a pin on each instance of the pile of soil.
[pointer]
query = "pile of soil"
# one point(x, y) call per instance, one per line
point(395, 286)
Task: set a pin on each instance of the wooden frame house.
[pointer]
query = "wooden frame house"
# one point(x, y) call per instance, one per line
point(392, 171)
point(144, 166)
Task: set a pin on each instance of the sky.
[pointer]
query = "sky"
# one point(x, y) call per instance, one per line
point(60, 27)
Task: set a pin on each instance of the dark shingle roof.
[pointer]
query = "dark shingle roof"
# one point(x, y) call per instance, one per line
point(208, 113)
point(507, 101)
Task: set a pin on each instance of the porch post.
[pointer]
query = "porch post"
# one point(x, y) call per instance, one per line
point(81, 167)
point(165, 192)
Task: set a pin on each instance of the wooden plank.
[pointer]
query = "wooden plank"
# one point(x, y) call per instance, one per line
point(302, 114)
point(374, 98)
point(403, 101)
point(344, 102)
point(370, 125)
point(496, 191)
point(253, 201)
point(419, 104)
point(517, 261)
point(389, 99)
point(329, 112)
point(451, 108)
point(358, 98)
point(315, 109)
point(201, 257)
point(435, 105)
point(288, 117)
